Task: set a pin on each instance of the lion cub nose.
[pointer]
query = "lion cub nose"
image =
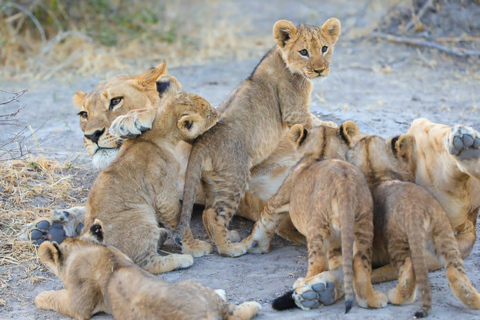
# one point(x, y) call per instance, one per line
point(320, 71)
point(94, 137)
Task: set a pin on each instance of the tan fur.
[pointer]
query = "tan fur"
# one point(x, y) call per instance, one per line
point(137, 192)
point(330, 203)
point(253, 120)
point(407, 218)
point(100, 278)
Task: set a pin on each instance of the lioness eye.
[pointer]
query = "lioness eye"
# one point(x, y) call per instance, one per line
point(83, 114)
point(304, 52)
point(114, 102)
point(324, 49)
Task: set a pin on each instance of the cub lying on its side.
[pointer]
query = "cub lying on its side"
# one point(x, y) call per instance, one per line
point(408, 221)
point(137, 191)
point(253, 120)
point(330, 203)
point(100, 278)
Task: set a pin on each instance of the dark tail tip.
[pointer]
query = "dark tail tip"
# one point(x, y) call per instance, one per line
point(348, 305)
point(420, 314)
point(284, 302)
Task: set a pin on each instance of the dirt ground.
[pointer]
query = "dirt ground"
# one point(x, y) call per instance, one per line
point(381, 86)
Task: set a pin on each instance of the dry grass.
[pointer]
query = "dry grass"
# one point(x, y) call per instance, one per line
point(22, 184)
point(45, 38)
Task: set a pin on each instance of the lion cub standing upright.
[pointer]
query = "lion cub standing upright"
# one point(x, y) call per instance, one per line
point(253, 119)
point(409, 221)
point(330, 204)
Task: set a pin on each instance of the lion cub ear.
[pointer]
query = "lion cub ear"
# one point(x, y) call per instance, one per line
point(283, 30)
point(50, 254)
point(332, 29)
point(79, 98)
point(403, 146)
point(297, 134)
point(191, 125)
point(348, 131)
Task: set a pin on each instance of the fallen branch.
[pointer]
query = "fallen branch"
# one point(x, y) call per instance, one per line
point(15, 97)
point(422, 43)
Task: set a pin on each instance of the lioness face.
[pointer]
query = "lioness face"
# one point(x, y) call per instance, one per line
point(109, 100)
point(378, 159)
point(307, 50)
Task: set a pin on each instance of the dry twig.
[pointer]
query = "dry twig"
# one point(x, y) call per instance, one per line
point(15, 97)
point(422, 43)
point(416, 17)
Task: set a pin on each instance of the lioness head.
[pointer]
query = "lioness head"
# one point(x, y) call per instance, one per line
point(324, 142)
point(307, 50)
point(106, 102)
point(382, 160)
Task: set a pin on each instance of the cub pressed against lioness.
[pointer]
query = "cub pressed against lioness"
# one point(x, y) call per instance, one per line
point(253, 119)
point(100, 278)
point(137, 191)
point(408, 222)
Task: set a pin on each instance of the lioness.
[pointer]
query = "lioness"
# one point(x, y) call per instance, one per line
point(100, 278)
point(329, 202)
point(253, 119)
point(408, 222)
point(137, 191)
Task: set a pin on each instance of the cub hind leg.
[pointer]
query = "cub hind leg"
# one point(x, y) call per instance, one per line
point(245, 311)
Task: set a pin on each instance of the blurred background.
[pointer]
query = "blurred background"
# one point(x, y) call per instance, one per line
point(42, 38)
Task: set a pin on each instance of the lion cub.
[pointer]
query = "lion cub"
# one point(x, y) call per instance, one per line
point(253, 120)
point(137, 191)
point(329, 202)
point(409, 221)
point(100, 278)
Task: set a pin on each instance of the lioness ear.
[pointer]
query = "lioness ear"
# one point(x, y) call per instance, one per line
point(168, 87)
point(332, 29)
point(148, 78)
point(191, 125)
point(403, 146)
point(79, 98)
point(50, 254)
point(348, 131)
point(297, 134)
point(283, 30)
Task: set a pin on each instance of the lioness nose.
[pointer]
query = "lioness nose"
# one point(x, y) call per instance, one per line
point(95, 136)
point(320, 71)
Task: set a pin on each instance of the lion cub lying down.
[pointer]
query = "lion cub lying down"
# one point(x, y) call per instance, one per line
point(137, 191)
point(330, 203)
point(100, 278)
point(409, 221)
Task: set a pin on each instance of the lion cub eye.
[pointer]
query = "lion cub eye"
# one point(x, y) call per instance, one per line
point(324, 49)
point(304, 52)
point(83, 114)
point(114, 102)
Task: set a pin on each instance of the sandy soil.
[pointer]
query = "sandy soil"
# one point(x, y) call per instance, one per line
point(382, 87)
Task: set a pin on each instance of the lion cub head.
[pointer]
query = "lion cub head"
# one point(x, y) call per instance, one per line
point(109, 100)
point(382, 160)
point(324, 142)
point(179, 115)
point(307, 50)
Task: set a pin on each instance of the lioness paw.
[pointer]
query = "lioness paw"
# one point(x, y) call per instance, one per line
point(232, 250)
point(312, 295)
point(42, 300)
point(183, 260)
point(198, 248)
point(463, 142)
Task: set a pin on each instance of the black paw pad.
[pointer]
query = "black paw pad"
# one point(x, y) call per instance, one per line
point(79, 228)
point(43, 225)
point(254, 244)
point(178, 240)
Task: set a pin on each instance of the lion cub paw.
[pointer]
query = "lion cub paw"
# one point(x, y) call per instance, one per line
point(133, 123)
point(396, 299)
point(377, 301)
point(256, 246)
point(42, 300)
point(199, 248)
point(232, 250)
point(463, 142)
point(311, 296)
point(183, 260)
